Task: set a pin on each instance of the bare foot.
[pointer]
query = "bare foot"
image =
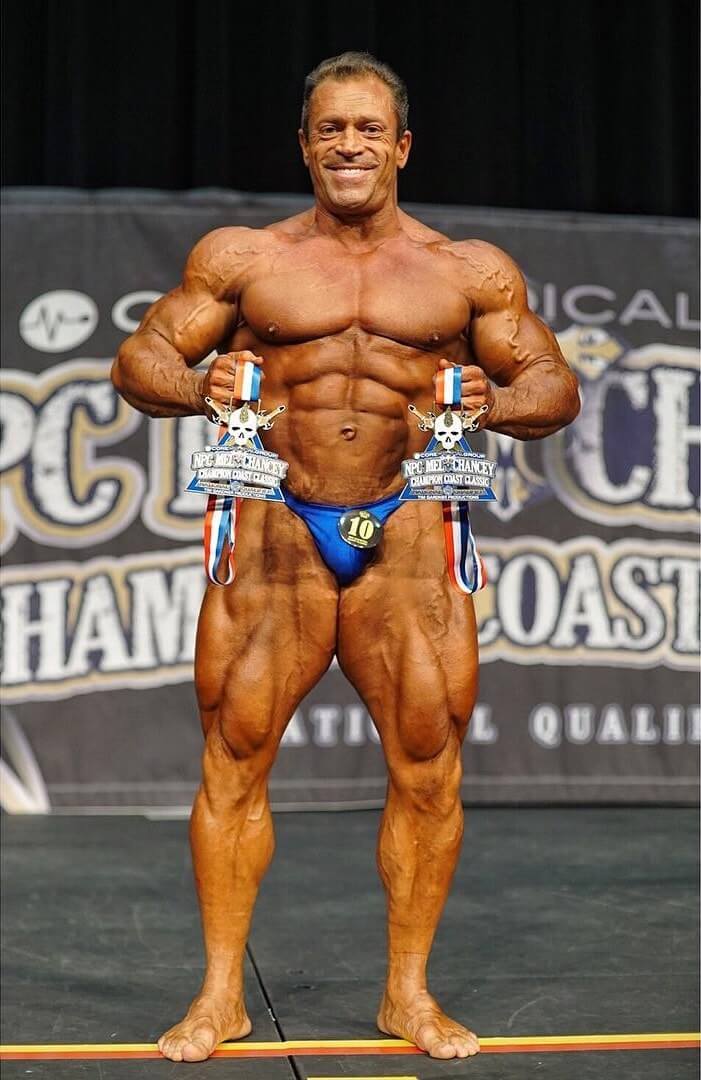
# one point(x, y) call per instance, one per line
point(209, 1021)
point(419, 1019)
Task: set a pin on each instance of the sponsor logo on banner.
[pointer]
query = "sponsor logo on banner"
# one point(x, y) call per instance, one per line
point(58, 321)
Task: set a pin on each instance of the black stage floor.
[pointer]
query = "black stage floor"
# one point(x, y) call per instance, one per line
point(561, 921)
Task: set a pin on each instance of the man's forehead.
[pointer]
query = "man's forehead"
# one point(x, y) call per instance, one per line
point(352, 96)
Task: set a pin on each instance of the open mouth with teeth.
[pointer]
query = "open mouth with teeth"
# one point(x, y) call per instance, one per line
point(348, 170)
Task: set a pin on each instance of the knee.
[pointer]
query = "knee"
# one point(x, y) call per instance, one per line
point(431, 785)
point(238, 757)
point(245, 733)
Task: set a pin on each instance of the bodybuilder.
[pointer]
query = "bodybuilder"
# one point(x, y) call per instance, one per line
point(351, 308)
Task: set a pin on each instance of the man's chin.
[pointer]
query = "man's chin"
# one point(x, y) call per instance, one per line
point(349, 202)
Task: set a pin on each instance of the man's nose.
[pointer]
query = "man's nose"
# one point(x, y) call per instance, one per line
point(350, 142)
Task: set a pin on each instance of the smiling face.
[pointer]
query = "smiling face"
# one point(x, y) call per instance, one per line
point(351, 149)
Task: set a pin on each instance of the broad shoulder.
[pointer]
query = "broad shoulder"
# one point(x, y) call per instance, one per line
point(490, 276)
point(220, 258)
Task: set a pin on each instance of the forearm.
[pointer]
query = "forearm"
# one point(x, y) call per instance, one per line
point(540, 401)
point(152, 376)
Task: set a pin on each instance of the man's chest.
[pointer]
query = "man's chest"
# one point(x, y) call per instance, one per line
point(406, 298)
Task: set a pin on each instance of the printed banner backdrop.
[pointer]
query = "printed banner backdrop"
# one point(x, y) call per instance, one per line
point(589, 629)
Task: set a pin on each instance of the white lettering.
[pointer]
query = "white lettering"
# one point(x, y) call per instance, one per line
point(98, 640)
point(644, 306)
point(164, 616)
point(46, 630)
point(121, 316)
point(546, 599)
point(482, 729)
point(627, 578)
point(571, 298)
point(579, 723)
point(295, 733)
point(687, 574)
point(682, 313)
point(325, 720)
point(644, 731)
point(545, 726)
point(588, 460)
point(583, 609)
point(674, 436)
point(612, 728)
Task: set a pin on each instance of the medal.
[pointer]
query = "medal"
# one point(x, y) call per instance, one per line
point(238, 465)
point(448, 470)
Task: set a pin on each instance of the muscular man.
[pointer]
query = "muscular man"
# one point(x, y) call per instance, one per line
point(351, 307)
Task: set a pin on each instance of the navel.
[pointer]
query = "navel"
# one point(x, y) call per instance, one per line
point(349, 432)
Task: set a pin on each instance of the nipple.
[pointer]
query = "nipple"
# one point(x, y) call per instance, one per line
point(348, 432)
point(434, 337)
point(273, 328)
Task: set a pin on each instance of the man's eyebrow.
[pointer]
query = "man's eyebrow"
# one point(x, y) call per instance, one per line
point(330, 119)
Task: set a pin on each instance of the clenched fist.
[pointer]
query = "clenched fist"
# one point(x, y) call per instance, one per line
point(477, 391)
point(218, 382)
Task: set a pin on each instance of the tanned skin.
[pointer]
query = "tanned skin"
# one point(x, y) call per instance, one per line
point(351, 308)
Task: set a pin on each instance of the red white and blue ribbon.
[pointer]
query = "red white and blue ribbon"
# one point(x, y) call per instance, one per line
point(448, 386)
point(246, 381)
point(222, 511)
point(220, 532)
point(466, 569)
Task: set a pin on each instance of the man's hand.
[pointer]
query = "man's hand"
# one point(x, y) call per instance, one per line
point(218, 381)
point(477, 391)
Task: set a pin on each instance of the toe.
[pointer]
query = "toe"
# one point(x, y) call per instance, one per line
point(171, 1050)
point(195, 1051)
point(443, 1050)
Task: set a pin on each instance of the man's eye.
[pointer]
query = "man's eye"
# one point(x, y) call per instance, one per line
point(327, 130)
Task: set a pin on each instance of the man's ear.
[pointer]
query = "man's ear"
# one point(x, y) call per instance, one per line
point(304, 144)
point(403, 148)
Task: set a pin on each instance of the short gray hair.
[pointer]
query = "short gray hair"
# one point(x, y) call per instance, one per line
point(350, 64)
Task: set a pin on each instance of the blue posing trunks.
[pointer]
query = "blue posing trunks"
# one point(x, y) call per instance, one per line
point(345, 561)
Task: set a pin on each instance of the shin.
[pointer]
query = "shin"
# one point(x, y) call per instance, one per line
point(419, 844)
point(231, 835)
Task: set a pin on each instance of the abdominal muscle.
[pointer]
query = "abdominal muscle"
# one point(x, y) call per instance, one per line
point(346, 428)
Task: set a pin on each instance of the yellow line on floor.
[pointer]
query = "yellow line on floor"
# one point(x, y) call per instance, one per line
point(299, 1044)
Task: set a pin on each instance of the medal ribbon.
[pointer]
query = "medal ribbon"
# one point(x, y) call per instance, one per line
point(466, 569)
point(246, 381)
point(448, 386)
point(222, 513)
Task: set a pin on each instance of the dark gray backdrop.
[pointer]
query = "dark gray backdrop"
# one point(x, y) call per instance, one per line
point(589, 629)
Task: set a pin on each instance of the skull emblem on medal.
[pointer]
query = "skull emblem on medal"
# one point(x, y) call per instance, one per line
point(243, 424)
point(448, 429)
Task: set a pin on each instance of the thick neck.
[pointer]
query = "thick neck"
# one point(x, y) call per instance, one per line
point(354, 231)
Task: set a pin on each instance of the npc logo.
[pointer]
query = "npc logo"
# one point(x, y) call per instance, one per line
point(59, 320)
